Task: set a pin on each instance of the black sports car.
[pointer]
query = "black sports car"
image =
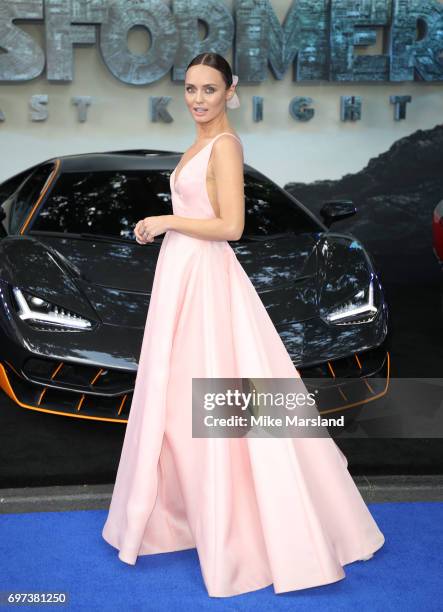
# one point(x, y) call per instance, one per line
point(75, 285)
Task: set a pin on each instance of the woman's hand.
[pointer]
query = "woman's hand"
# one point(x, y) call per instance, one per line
point(149, 227)
point(140, 237)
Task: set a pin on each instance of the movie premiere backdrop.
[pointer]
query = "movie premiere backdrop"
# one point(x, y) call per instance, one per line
point(341, 106)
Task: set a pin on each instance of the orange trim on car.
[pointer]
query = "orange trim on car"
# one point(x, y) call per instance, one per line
point(48, 183)
point(81, 400)
point(339, 388)
point(96, 376)
point(122, 403)
point(342, 393)
point(331, 369)
point(368, 386)
point(360, 366)
point(7, 388)
point(41, 396)
point(369, 399)
point(57, 369)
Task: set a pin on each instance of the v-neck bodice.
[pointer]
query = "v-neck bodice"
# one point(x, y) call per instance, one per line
point(188, 188)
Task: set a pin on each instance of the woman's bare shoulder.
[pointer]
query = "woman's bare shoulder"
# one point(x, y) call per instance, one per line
point(233, 134)
point(225, 137)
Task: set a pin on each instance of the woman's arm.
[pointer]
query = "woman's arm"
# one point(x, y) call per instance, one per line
point(227, 161)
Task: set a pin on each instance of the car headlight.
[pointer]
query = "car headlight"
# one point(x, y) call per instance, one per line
point(37, 310)
point(359, 309)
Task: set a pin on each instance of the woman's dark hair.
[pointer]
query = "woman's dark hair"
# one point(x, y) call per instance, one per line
point(215, 61)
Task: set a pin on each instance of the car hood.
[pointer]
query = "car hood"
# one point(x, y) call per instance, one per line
point(116, 278)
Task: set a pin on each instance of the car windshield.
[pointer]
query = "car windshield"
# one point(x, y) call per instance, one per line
point(271, 212)
point(107, 203)
point(110, 203)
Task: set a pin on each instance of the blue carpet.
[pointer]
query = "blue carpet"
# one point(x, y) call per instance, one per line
point(64, 551)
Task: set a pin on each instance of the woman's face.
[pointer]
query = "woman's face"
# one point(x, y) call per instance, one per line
point(205, 92)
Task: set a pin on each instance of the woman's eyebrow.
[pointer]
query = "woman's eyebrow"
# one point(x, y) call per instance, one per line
point(206, 84)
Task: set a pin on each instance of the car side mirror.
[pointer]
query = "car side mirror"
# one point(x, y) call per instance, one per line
point(335, 210)
point(2, 214)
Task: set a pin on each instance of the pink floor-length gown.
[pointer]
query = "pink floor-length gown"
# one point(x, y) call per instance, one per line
point(260, 511)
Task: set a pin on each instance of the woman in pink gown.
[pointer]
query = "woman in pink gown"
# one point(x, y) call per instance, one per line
point(259, 511)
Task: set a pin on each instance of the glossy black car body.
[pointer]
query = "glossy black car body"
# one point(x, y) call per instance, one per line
point(437, 232)
point(75, 286)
